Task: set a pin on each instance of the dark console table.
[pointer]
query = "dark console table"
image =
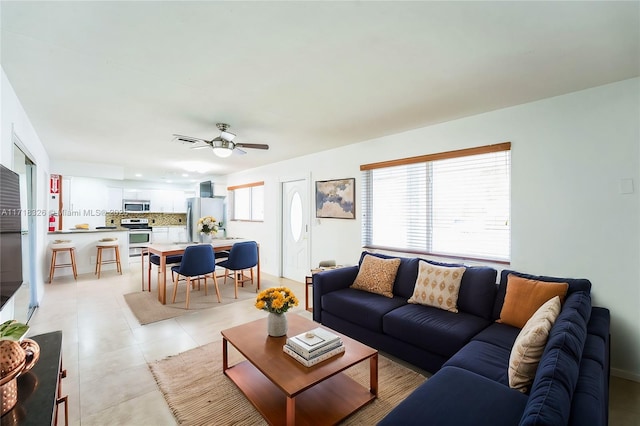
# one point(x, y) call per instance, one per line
point(40, 389)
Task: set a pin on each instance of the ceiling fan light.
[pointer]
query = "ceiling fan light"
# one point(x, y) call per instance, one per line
point(222, 152)
point(228, 136)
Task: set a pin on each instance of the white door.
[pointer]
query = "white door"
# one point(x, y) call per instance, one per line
point(295, 229)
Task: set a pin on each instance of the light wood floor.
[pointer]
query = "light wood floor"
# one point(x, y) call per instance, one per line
point(106, 350)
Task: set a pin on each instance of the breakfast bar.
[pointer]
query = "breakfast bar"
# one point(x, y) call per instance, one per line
point(85, 241)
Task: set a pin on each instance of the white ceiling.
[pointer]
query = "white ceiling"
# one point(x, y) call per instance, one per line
point(110, 82)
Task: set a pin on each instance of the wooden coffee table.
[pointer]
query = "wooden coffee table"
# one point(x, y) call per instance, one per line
point(286, 392)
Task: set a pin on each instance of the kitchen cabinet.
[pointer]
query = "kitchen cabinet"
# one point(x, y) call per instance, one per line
point(161, 201)
point(160, 235)
point(178, 234)
point(179, 200)
point(167, 201)
point(136, 194)
point(114, 199)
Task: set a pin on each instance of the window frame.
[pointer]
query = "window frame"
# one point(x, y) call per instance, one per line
point(254, 197)
point(367, 201)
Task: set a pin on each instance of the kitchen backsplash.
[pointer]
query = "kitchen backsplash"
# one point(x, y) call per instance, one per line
point(155, 219)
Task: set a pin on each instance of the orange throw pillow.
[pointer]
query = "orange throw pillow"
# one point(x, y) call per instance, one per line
point(525, 296)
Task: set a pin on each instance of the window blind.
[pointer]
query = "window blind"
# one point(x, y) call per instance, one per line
point(452, 204)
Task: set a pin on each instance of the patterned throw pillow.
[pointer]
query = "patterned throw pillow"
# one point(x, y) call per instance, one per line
point(530, 343)
point(524, 296)
point(377, 275)
point(437, 286)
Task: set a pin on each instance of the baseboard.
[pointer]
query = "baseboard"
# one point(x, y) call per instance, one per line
point(624, 374)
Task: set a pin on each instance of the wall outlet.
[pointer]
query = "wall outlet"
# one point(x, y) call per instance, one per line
point(626, 186)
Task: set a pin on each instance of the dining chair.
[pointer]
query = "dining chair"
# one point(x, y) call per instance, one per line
point(242, 256)
point(197, 262)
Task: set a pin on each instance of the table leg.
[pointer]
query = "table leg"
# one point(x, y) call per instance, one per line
point(144, 250)
point(162, 283)
point(291, 411)
point(373, 374)
point(225, 356)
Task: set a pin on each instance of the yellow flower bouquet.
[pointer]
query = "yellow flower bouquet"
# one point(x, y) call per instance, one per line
point(208, 225)
point(276, 300)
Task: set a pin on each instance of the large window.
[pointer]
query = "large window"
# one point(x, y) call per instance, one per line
point(247, 201)
point(453, 204)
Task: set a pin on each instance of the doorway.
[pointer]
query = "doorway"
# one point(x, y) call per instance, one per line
point(295, 229)
point(26, 298)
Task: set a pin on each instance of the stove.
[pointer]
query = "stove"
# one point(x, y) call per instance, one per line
point(139, 234)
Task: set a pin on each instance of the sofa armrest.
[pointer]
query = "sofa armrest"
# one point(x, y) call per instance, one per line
point(331, 280)
point(454, 396)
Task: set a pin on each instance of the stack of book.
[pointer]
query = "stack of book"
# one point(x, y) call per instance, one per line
point(313, 346)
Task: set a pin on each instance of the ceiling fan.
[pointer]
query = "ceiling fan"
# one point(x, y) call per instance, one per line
point(223, 146)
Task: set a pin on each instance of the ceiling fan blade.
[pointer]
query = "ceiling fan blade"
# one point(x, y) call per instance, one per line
point(200, 147)
point(237, 150)
point(253, 145)
point(189, 139)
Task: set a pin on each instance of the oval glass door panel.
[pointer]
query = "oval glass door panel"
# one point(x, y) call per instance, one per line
point(295, 216)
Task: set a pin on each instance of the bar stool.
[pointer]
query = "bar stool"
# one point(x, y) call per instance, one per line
point(108, 243)
point(58, 247)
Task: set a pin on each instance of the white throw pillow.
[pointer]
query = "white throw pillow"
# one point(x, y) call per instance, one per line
point(437, 286)
point(530, 343)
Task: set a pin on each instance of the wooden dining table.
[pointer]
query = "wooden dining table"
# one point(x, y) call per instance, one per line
point(165, 250)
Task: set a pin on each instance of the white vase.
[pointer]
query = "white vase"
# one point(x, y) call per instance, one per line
point(205, 238)
point(276, 324)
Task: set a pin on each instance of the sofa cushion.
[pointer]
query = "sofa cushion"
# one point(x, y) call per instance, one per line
point(457, 397)
point(557, 374)
point(587, 403)
point(575, 284)
point(432, 329)
point(483, 358)
point(502, 335)
point(377, 275)
point(360, 307)
point(524, 296)
point(437, 286)
point(406, 275)
point(528, 347)
point(477, 289)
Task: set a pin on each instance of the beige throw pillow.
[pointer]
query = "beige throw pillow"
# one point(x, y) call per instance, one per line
point(377, 275)
point(437, 286)
point(530, 343)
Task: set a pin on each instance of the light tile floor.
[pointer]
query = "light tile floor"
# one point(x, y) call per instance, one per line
point(106, 350)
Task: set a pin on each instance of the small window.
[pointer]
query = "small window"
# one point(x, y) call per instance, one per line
point(247, 202)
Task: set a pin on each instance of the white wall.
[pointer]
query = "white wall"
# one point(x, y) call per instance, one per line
point(569, 217)
point(13, 116)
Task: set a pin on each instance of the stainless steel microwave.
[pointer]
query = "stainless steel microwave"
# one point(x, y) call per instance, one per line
point(136, 206)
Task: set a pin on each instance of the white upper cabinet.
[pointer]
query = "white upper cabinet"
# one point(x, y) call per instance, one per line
point(168, 201)
point(114, 199)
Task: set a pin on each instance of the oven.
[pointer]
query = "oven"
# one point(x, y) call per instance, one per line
point(139, 234)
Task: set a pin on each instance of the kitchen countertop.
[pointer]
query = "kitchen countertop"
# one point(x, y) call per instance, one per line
point(87, 231)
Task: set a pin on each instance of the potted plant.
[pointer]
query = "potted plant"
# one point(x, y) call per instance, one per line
point(13, 330)
point(276, 301)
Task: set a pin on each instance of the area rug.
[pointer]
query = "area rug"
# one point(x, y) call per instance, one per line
point(147, 309)
point(198, 393)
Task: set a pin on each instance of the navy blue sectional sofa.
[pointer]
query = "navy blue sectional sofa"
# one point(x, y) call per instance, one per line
point(469, 352)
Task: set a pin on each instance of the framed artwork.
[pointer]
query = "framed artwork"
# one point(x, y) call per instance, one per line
point(336, 198)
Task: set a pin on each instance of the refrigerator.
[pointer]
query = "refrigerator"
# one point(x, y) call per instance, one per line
point(198, 207)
